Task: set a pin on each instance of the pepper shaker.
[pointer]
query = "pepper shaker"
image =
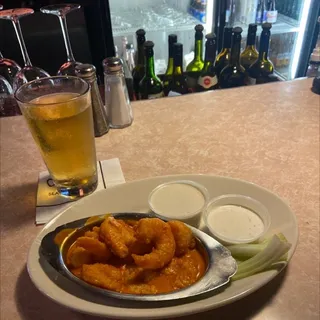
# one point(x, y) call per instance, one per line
point(88, 73)
point(117, 100)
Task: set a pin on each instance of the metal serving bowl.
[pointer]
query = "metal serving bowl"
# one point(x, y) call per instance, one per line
point(220, 264)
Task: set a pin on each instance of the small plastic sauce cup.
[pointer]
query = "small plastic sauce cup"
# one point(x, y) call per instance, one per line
point(182, 200)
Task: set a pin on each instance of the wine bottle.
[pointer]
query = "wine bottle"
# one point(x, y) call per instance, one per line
point(195, 66)
point(208, 79)
point(272, 13)
point(250, 53)
point(259, 12)
point(260, 70)
point(138, 71)
point(234, 74)
point(130, 56)
point(264, 11)
point(177, 83)
point(224, 56)
point(150, 87)
point(172, 39)
point(127, 73)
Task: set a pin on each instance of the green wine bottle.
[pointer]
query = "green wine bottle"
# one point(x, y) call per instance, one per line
point(234, 74)
point(138, 71)
point(195, 67)
point(172, 39)
point(177, 83)
point(208, 79)
point(224, 56)
point(250, 53)
point(150, 87)
point(262, 69)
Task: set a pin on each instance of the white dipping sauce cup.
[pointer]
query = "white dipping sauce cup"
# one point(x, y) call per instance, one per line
point(234, 219)
point(181, 200)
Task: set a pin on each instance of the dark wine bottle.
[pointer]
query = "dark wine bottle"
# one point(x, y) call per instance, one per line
point(224, 56)
point(177, 83)
point(234, 74)
point(208, 79)
point(138, 71)
point(150, 87)
point(260, 70)
point(195, 66)
point(250, 53)
point(172, 39)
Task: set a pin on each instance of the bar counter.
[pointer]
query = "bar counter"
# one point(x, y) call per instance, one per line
point(267, 134)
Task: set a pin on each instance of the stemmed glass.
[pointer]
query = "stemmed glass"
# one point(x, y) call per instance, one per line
point(28, 72)
point(8, 67)
point(61, 11)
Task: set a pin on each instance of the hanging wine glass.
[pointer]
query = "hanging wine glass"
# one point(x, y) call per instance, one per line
point(8, 104)
point(28, 72)
point(61, 11)
point(8, 67)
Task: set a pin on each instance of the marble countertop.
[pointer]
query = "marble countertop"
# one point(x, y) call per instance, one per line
point(265, 134)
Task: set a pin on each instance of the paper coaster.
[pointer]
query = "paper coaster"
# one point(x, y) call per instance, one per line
point(50, 202)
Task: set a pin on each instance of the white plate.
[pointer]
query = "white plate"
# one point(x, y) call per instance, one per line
point(133, 197)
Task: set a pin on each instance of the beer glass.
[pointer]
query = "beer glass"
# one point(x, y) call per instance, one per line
point(59, 115)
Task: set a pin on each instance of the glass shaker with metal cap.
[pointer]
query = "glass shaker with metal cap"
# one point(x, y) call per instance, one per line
point(117, 100)
point(88, 73)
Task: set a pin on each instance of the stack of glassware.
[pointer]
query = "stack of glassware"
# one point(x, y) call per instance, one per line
point(12, 76)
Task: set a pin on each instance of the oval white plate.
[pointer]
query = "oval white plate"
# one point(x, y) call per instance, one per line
point(133, 196)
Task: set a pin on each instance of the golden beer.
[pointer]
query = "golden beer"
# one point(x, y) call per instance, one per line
point(62, 126)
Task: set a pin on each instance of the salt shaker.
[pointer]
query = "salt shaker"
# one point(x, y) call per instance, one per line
point(117, 100)
point(88, 73)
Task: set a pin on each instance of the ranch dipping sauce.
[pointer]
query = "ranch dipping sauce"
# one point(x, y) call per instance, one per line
point(181, 200)
point(235, 222)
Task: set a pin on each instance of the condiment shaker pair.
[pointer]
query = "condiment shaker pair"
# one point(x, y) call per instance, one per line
point(117, 112)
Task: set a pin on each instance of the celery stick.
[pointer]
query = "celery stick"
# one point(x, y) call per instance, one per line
point(275, 249)
point(246, 251)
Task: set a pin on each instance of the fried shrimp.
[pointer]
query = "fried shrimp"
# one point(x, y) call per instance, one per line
point(78, 256)
point(158, 233)
point(140, 289)
point(100, 252)
point(118, 235)
point(183, 237)
point(103, 276)
point(94, 233)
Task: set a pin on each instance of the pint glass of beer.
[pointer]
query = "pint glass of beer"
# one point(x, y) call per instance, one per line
point(59, 115)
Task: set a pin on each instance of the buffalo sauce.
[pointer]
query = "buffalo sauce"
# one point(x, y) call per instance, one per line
point(181, 272)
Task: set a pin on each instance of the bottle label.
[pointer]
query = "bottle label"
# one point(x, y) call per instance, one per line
point(272, 16)
point(251, 81)
point(192, 82)
point(207, 82)
point(156, 95)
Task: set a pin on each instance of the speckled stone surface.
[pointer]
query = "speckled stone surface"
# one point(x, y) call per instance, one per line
point(266, 134)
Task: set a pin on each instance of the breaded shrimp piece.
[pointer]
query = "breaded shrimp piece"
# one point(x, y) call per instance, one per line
point(99, 250)
point(94, 233)
point(140, 289)
point(77, 256)
point(103, 276)
point(118, 235)
point(158, 233)
point(183, 237)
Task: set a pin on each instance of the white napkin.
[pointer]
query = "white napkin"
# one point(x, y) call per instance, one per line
point(50, 203)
